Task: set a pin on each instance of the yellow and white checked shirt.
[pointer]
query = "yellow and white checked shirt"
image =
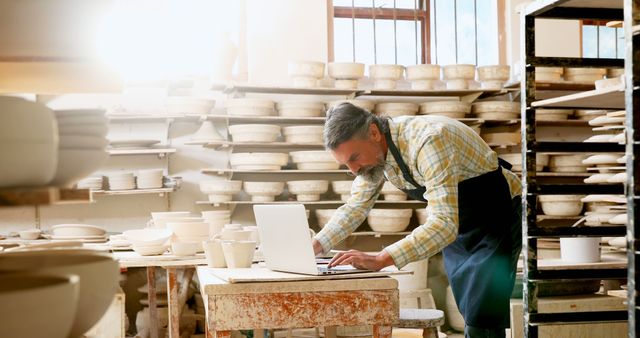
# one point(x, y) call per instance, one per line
point(439, 152)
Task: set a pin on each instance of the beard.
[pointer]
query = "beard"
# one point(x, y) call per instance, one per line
point(373, 172)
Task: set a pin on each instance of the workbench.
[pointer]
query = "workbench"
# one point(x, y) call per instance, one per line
point(303, 303)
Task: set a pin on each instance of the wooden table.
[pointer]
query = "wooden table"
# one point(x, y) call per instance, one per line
point(298, 304)
point(176, 292)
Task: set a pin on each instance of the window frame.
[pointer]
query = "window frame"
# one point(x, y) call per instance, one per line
point(598, 24)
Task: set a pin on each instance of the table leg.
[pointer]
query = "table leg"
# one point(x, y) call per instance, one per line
point(331, 331)
point(153, 310)
point(430, 332)
point(172, 299)
point(223, 334)
point(187, 276)
point(258, 333)
point(381, 331)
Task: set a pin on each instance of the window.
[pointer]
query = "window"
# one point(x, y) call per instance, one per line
point(600, 41)
point(409, 32)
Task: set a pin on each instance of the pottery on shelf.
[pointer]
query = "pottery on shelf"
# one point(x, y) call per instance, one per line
point(549, 74)
point(561, 205)
point(324, 216)
point(394, 109)
point(220, 190)
point(494, 73)
point(308, 190)
point(496, 110)
point(342, 188)
point(389, 220)
point(391, 193)
point(303, 134)
point(263, 191)
point(386, 76)
point(258, 161)
point(250, 107)
point(314, 160)
point(452, 109)
point(515, 159)
point(421, 215)
point(567, 163)
point(580, 249)
point(459, 72)
point(305, 74)
point(346, 74)
point(254, 132)
point(299, 108)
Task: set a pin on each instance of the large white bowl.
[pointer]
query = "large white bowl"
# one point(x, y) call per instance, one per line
point(453, 109)
point(496, 107)
point(393, 109)
point(250, 107)
point(314, 160)
point(494, 73)
point(77, 230)
point(22, 120)
point(254, 132)
point(391, 193)
point(561, 205)
point(28, 163)
point(311, 69)
point(99, 274)
point(459, 72)
point(346, 70)
point(308, 190)
point(33, 306)
point(387, 72)
point(389, 220)
point(189, 105)
point(303, 134)
point(422, 215)
point(299, 108)
point(148, 236)
point(149, 250)
point(342, 188)
point(423, 72)
point(258, 161)
point(515, 160)
point(220, 187)
point(324, 216)
point(76, 164)
point(189, 229)
point(263, 191)
point(567, 161)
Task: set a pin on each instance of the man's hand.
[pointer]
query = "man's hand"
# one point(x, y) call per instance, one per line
point(361, 260)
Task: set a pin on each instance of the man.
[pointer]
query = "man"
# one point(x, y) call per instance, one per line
point(473, 205)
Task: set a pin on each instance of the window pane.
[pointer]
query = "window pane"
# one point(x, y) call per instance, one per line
point(607, 42)
point(344, 3)
point(445, 39)
point(407, 54)
point(589, 41)
point(409, 4)
point(465, 21)
point(620, 34)
point(364, 42)
point(385, 53)
point(342, 40)
point(487, 26)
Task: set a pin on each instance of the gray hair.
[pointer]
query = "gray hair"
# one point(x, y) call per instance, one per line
point(347, 121)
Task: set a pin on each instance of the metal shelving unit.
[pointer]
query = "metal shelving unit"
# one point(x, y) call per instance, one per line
point(610, 99)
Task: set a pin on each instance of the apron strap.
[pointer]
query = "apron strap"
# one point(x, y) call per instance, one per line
point(396, 155)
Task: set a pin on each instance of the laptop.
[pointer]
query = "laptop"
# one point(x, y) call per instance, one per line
point(286, 242)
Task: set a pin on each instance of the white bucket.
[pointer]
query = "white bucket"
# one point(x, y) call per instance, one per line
point(580, 250)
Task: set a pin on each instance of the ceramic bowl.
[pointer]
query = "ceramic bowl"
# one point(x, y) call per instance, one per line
point(258, 161)
point(75, 164)
point(99, 274)
point(453, 109)
point(423, 72)
point(263, 191)
point(492, 85)
point(214, 254)
point(345, 84)
point(561, 205)
point(254, 132)
point(148, 236)
point(185, 248)
point(220, 187)
point(37, 169)
point(149, 250)
point(542, 160)
point(494, 73)
point(389, 72)
point(391, 193)
point(30, 234)
point(189, 105)
point(396, 109)
point(421, 215)
point(207, 133)
point(314, 160)
point(567, 160)
point(458, 84)
point(324, 216)
point(496, 107)
point(303, 134)
point(299, 108)
point(183, 230)
point(460, 71)
point(367, 105)
point(311, 69)
point(151, 174)
point(238, 254)
point(33, 305)
point(26, 121)
point(250, 107)
point(389, 220)
point(342, 188)
point(346, 70)
point(308, 190)
point(424, 84)
point(77, 230)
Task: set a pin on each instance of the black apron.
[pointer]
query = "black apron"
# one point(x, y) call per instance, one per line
point(481, 262)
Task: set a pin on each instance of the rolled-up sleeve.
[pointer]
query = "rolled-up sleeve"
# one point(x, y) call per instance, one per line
point(348, 217)
point(439, 176)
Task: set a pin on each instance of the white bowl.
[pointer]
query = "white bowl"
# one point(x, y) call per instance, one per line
point(389, 220)
point(453, 109)
point(567, 160)
point(311, 69)
point(458, 84)
point(391, 193)
point(37, 169)
point(496, 107)
point(258, 161)
point(70, 141)
point(189, 105)
point(561, 205)
point(422, 215)
point(30, 234)
point(238, 254)
point(149, 250)
point(250, 107)
point(342, 187)
point(99, 274)
point(299, 108)
point(515, 160)
point(26, 121)
point(148, 236)
point(460, 71)
point(396, 109)
point(254, 132)
point(77, 230)
point(346, 70)
point(308, 190)
point(388, 72)
point(314, 160)
point(423, 72)
point(34, 305)
point(75, 164)
point(150, 174)
point(263, 191)
point(189, 229)
point(185, 248)
point(303, 134)
point(324, 216)
point(220, 187)
point(367, 105)
point(494, 73)
point(501, 137)
point(424, 84)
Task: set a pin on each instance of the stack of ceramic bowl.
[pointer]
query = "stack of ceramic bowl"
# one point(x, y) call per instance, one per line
point(452, 109)
point(258, 161)
point(561, 205)
point(503, 135)
point(82, 232)
point(299, 108)
point(148, 242)
point(553, 114)
point(82, 144)
point(324, 216)
point(389, 220)
point(190, 233)
point(250, 107)
point(496, 110)
point(216, 219)
point(610, 167)
point(549, 74)
point(392, 109)
point(367, 105)
point(391, 193)
point(158, 218)
point(342, 188)
point(254, 132)
point(423, 77)
point(567, 163)
point(385, 77)
point(515, 160)
point(219, 190)
point(206, 133)
point(29, 147)
point(121, 181)
point(314, 160)
point(422, 215)
point(92, 183)
point(584, 75)
point(305, 74)
point(346, 74)
point(150, 179)
point(308, 190)
point(189, 105)
point(493, 77)
point(458, 77)
point(303, 134)
point(605, 210)
point(263, 191)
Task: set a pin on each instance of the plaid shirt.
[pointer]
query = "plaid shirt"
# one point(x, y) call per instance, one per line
point(440, 152)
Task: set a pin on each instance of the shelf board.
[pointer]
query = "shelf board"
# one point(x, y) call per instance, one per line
point(379, 234)
point(145, 151)
point(480, 93)
point(558, 218)
point(580, 189)
point(159, 191)
point(283, 171)
point(43, 196)
point(557, 86)
point(142, 118)
point(608, 98)
point(228, 144)
point(579, 147)
point(278, 119)
point(288, 90)
point(554, 174)
point(305, 203)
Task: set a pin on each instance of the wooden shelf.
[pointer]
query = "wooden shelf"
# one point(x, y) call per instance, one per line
point(159, 191)
point(305, 203)
point(288, 90)
point(558, 218)
point(477, 93)
point(142, 118)
point(557, 86)
point(43, 196)
point(145, 151)
point(276, 119)
point(379, 234)
point(283, 171)
point(229, 144)
point(608, 98)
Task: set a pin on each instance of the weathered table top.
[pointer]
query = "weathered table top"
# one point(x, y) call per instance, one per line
point(130, 259)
